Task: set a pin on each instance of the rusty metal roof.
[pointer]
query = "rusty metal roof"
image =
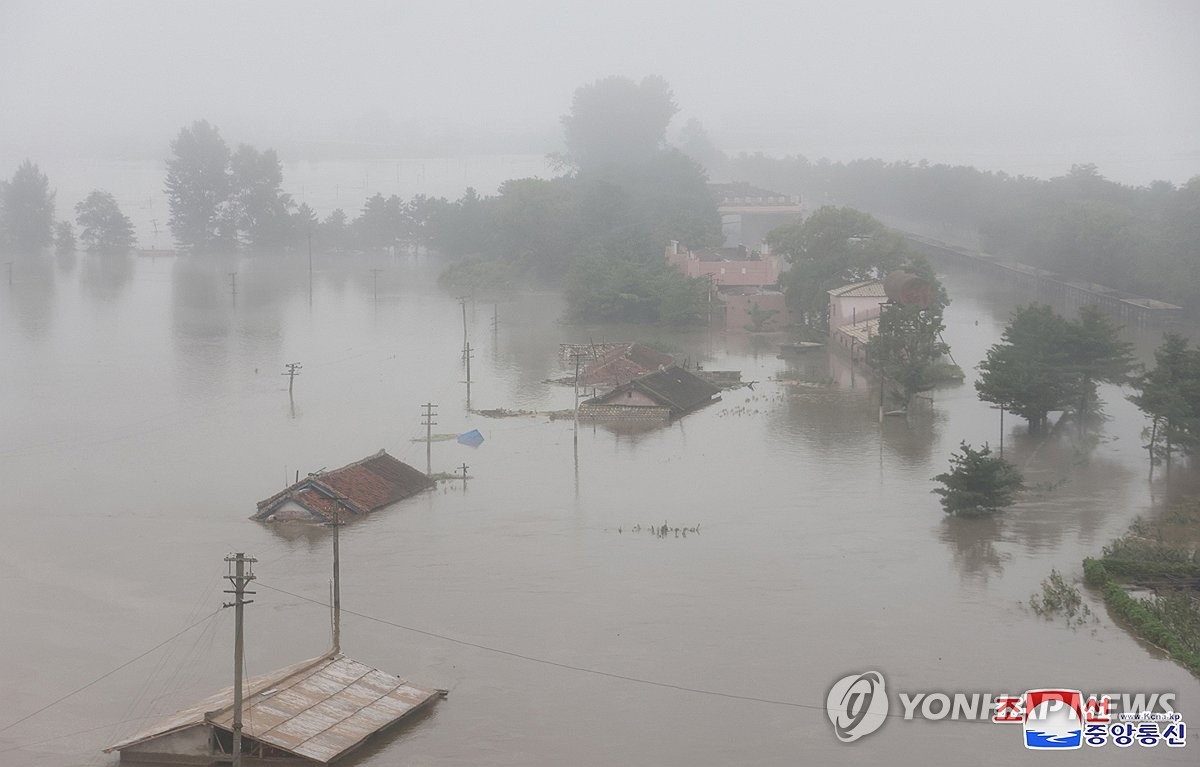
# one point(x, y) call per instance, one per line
point(319, 709)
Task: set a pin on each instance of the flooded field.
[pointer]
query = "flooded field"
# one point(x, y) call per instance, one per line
point(143, 414)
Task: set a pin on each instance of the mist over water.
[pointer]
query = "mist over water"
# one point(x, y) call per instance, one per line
point(146, 413)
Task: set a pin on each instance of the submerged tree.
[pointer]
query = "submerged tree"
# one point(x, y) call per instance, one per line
point(1097, 355)
point(260, 207)
point(103, 227)
point(831, 248)
point(978, 483)
point(1169, 393)
point(27, 209)
point(198, 189)
point(64, 238)
point(616, 121)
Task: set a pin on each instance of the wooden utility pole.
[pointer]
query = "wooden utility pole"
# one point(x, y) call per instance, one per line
point(337, 576)
point(463, 300)
point(239, 577)
point(375, 282)
point(467, 353)
point(293, 370)
point(233, 284)
point(310, 268)
point(464, 471)
point(576, 356)
point(428, 422)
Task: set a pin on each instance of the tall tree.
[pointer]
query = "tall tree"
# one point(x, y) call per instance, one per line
point(833, 247)
point(1096, 354)
point(616, 121)
point(1028, 372)
point(64, 238)
point(103, 227)
point(382, 224)
point(261, 209)
point(198, 190)
point(27, 209)
point(1170, 394)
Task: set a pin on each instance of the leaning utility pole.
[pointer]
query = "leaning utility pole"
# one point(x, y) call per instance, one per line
point(239, 578)
point(293, 370)
point(428, 423)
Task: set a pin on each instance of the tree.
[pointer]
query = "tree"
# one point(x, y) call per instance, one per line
point(1096, 354)
point(832, 247)
point(64, 238)
point(1028, 373)
point(198, 189)
point(382, 224)
point(1170, 394)
point(1046, 363)
point(260, 207)
point(27, 209)
point(103, 227)
point(616, 121)
point(978, 483)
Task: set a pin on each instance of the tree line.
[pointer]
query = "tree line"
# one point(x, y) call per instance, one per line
point(1140, 239)
point(28, 225)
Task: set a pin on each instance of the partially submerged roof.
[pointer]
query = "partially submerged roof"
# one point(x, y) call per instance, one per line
point(864, 289)
point(674, 388)
point(362, 487)
point(623, 363)
point(319, 709)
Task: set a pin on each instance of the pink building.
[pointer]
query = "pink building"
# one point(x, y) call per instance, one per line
point(854, 315)
point(726, 266)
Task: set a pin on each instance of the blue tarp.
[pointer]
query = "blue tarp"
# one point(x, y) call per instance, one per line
point(472, 438)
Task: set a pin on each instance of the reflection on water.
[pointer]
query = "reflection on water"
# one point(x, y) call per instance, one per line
point(145, 413)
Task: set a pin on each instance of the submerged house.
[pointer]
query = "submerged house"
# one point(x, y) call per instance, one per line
point(314, 712)
point(623, 363)
point(658, 397)
point(359, 488)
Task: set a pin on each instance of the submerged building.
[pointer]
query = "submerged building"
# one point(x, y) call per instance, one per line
point(314, 712)
point(353, 490)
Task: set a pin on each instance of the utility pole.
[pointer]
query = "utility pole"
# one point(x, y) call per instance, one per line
point(310, 268)
point(239, 577)
point(576, 356)
point(463, 300)
point(464, 471)
point(337, 575)
point(375, 282)
point(495, 319)
point(467, 354)
point(233, 285)
point(10, 267)
point(293, 370)
point(428, 423)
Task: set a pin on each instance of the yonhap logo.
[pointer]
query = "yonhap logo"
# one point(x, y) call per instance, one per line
point(857, 705)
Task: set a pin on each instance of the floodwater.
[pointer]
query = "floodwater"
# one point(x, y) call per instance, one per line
point(144, 412)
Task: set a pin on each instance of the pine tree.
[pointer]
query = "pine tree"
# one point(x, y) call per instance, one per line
point(978, 483)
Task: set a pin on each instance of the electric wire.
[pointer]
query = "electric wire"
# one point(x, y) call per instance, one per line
point(567, 666)
point(110, 672)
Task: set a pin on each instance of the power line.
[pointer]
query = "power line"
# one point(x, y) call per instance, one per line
point(109, 673)
point(557, 664)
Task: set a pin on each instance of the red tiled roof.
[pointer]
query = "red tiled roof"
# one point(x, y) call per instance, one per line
point(363, 487)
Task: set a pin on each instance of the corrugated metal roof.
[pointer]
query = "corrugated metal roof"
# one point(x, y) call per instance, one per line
point(319, 709)
point(865, 289)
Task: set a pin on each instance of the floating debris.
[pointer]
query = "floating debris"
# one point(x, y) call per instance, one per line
point(663, 531)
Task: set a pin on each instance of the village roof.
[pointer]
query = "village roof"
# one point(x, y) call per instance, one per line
point(362, 487)
point(623, 363)
point(861, 331)
point(864, 289)
point(319, 709)
point(674, 388)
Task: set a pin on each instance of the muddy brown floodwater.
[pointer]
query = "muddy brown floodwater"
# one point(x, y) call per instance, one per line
point(143, 414)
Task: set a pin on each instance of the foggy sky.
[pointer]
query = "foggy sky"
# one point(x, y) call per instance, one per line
point(1022, 86)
